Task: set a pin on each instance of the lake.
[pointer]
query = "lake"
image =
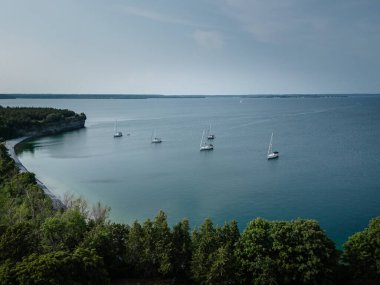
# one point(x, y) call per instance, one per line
point(328, 168)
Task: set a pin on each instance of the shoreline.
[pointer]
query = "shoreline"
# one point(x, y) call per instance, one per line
point(10, 146)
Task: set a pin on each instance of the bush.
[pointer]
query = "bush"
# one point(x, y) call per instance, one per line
point(362, 254)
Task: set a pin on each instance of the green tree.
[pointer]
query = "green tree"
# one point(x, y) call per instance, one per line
point(89, 267)
point(150, 248)
point(162, 244)
point(63, 231)
point(296, 252)
point(7, 275)
point(19, 240)
point(7, 165)
point(135, 250)
point(225, 268)
point(181, 250)
point(157, 247)
point(109, 242)
point(213, 260)
point(61, 267)
point(204, 245)
point(362, 254)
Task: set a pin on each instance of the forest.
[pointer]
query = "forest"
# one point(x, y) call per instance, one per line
point(79, 244)
point(18, 121)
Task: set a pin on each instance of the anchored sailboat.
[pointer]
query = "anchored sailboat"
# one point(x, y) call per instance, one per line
point(154, 138)
point(210, 136)
point(272, 154)
point(203, 145)
point(117, 133)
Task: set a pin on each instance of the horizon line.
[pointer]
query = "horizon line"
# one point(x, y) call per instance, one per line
point(170, 95)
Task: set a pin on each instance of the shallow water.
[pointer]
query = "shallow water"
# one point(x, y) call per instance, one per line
point(327, 170)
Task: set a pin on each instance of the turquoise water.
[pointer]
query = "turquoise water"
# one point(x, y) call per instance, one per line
point(328, 168)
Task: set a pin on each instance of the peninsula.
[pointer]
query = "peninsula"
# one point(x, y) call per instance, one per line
point(20, 124)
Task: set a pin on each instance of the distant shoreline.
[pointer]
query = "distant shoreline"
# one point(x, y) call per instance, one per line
point(157, 96)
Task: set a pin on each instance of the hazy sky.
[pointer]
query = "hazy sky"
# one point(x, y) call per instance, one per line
point(190, 47)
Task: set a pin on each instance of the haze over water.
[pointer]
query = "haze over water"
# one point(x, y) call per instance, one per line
point(327, 170)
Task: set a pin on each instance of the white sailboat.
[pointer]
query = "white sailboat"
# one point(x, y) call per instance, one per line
point(203, 145)
point(272, 154)
point(117, 133)
point(210, 136)
point(154, 138)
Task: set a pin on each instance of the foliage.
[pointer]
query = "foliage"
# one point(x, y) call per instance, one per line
point(181, 250)
point(18, 241)
point(296, 252)
point(213, 260)
point(362, 254)
point(109, 242)
point(150, 247)
point(7, 164)
point(82, 266)
point(15, 121)
point(63, 231)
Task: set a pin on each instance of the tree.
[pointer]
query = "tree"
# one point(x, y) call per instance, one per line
point(225, 268)
point(7, 272)
point(181, 250)
point(135, 250)
point(296, 252)
point(7, 165)
point(109, 242)
point(204, 245)
point(99, 213)
point(19, 240)
point(213, 260)
point(362, 254)
point(162, 244)
point(63, 231)
point(156, 242)
point(82, 266)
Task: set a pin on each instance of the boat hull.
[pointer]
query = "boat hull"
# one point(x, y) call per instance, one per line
point(206, 147)
point(156, 140)
point(273, 155)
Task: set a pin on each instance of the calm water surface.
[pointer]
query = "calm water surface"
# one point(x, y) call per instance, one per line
point(328, 169)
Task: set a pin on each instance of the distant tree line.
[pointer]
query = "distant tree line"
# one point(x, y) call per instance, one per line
point(14, 121)
point(79, 245)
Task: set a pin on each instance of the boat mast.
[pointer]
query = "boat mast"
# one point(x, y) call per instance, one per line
point(270, 144)
point(202, 138)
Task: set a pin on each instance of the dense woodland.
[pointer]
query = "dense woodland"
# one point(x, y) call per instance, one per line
point(78, 244)
point(15, 121)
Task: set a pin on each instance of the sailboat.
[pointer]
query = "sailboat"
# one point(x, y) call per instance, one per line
point(116, 133)
point(203, 145)
point(210, 136)
point(272, 154)
point(154, 138)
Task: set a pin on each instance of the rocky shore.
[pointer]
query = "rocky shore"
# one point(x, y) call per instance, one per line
point(53, 128)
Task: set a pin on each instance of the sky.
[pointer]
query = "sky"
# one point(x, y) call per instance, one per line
point(197, 47)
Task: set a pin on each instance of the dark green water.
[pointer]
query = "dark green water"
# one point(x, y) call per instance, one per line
point(328, 169)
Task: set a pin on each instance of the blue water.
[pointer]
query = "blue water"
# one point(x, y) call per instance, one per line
point(328, 168)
